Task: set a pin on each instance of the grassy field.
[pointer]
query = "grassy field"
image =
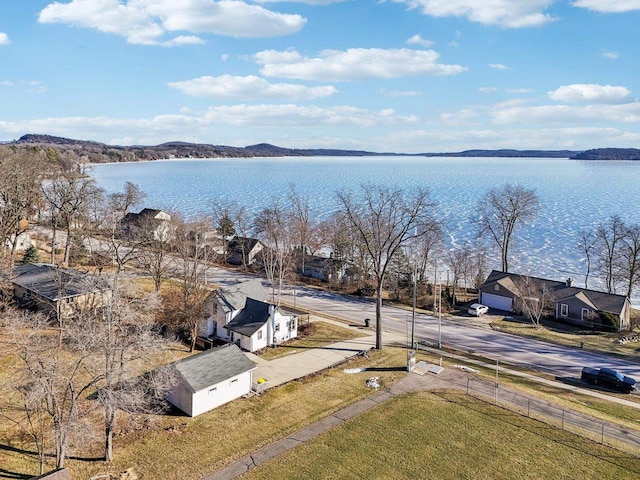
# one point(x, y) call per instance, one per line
point(447, 436)
point(316, 334)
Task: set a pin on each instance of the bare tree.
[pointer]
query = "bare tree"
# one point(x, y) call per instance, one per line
point(67, 197)
point(228, 219)
point(586, 245)
point(59, 378)
point(385, 219)
point(122, 248)
point(126, 336)
point(272, 227)
point(187, 307)
point(459, 260)
point(609, 237)
point(629, 258)
point(534, 297)
point(500, 211)
point(301, 224)
point(21, 173)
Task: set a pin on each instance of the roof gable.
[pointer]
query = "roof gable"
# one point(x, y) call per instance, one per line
point(251, 318)
point(234, 297)
point(213, 366)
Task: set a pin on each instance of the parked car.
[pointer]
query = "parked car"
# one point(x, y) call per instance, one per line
point(478, 309)
point(608, 378)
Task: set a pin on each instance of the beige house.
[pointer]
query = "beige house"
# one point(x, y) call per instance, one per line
point(568, 303)
point(55, 291)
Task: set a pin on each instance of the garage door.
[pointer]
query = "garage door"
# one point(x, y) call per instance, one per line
point(496, 301)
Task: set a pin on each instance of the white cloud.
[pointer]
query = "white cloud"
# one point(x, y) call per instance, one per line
point(4, 39)
point(353, 64)
point(183, 40)
point(608, 6)
point(518, 90)
point(308, 2)
point(497, 66)
point(198, 126)
point(6, 83)
point(146, 22)
point(486, 90)
point(504, 13)
point(306, 116)
point(461, 116)
point(569, 114)
point(399, 93)
point(610, 55)
point(249, 87)
point(591, 93)
point(418, 40)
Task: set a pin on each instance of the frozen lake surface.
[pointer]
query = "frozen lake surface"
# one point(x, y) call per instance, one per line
point(575, 194)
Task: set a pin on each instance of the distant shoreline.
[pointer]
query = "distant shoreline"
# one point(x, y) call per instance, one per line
point(88, 152)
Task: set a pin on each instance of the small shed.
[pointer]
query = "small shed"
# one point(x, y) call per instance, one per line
point(210, 379)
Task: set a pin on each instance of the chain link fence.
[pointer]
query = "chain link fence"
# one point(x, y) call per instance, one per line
point(600, 431)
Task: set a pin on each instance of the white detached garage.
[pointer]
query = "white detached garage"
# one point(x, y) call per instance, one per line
point(210, 379)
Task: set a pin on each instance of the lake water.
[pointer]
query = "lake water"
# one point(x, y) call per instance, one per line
point(575, 194)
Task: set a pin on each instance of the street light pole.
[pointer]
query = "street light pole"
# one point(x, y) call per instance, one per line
point(413, 312)
point(440, 319)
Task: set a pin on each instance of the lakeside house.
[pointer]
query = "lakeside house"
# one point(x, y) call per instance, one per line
point(210, 379)
point(327, 269)
point(154, 223)
point(241, 314)
point(243, 250)
point(566, 302)
point(55, 291)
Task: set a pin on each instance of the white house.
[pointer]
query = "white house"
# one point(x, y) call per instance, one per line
point(259, 325)
point(224, 304)
point(210, 379)
point(241, 314)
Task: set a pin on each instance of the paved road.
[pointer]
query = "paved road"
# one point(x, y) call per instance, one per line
point(460, 333)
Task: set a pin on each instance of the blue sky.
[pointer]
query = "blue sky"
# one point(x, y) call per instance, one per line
point(391, 75)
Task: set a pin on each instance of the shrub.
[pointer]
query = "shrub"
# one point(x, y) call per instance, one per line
point(31, 255)
point(609, 320)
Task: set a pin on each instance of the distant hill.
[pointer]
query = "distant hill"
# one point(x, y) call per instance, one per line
point(96, 152)
point(609, 154)
point(509, 153)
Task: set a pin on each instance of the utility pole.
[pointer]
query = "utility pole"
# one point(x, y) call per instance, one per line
point(413, 312)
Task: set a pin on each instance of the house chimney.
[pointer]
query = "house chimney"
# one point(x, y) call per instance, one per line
point(569, 281)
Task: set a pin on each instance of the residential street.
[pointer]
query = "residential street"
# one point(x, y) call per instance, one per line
point(462, 333)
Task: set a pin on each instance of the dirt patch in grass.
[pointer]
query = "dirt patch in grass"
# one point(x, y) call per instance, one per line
point(447, 436)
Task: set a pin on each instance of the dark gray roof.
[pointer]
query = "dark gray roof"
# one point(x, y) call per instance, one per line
point(213, 366)
point(251, 318)
point(53, 283)
point(603, 301)
point(234, 297)
point(238, 243)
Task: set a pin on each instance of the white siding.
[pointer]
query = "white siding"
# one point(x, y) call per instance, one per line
point(221, 393)
point(497, 301)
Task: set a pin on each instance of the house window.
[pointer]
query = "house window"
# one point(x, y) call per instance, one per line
point(259, 334)
point(497, 288)
point(586, 313)
point(564, 310)
point(277, 327)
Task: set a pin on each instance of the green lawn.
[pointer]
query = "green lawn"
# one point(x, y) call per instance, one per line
point(447, 436)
